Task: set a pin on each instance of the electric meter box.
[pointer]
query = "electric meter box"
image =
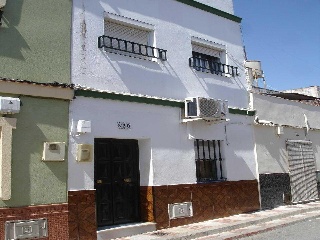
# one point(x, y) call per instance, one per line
point(54, 151)
point(84, 153)
point(9, 105)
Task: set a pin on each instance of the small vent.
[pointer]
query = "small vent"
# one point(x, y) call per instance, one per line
point(26, 229)
point(180, 210)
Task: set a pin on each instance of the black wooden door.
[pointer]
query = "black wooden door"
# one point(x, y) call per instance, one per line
point(117, 181)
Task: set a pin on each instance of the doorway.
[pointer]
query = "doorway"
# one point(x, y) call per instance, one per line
point(116, 180)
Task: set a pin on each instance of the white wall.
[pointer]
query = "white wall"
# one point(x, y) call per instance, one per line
point(240, 153)
point(174, 24)
point(166, 151)
point(313, 91)
point(223, 5)
point(285, 112)
point(271, 147)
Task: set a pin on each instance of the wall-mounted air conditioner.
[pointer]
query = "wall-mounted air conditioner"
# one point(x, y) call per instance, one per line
point(9, 105)
point(2, 3)
point(206, 108)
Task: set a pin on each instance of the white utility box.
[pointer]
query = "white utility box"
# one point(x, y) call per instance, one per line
point(54, 151)
point(9, 105)
point(84, 126)
point(84, 153)
point(3, 3)
point(280, 130)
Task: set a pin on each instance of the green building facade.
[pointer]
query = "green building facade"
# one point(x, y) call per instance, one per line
point(35, 69)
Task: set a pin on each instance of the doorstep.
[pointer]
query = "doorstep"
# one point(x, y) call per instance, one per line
point(124, 230)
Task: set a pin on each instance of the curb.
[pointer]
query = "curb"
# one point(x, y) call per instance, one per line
point(191, 232)
point(266, 229)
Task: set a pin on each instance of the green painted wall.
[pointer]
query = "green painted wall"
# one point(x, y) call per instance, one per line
point(35, 40)
point(34, 181)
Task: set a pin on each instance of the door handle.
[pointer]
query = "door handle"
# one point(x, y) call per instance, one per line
point(127, 180)
point(99, 181)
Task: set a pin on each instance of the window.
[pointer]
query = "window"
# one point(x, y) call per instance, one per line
point(209, 161)
point(129, 40)
point(210, 60)
point(204, 63)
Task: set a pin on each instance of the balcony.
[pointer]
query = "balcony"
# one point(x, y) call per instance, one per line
point(131, 48)
point(205, 65)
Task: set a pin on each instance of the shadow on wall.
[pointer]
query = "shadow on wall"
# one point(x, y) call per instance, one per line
point(170, 15)
point(35, 181)
point(160, 77)
point(11, 41)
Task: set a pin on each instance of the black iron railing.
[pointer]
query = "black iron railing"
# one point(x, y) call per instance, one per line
point(209, 165)
point(205, 65)
point(131, 47)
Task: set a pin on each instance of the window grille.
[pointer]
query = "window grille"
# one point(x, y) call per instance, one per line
point(210, 60)
point(208, 155)
point(128, 40)
point(205, 63)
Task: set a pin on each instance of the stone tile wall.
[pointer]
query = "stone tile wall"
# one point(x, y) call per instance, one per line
point(274, 189)
point(82, 215)
point(146, 204)
point(210, 200)
point(56, 214)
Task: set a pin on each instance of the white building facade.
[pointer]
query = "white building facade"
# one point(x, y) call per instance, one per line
point(134, 154)
point(287, 129)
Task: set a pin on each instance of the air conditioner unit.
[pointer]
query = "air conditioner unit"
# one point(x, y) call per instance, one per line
point(206, 108)
point(9, 105)
point(2, 3)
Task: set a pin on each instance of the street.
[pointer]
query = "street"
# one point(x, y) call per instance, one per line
point(303, 230)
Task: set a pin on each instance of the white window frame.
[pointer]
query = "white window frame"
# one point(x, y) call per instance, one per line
point(134, 24)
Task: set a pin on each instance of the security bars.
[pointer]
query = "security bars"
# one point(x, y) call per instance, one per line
point(211, 66)
point(208, 160)
point(122, 45)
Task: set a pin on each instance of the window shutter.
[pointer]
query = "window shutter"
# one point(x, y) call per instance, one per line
point(205, 50)
point(126, 32)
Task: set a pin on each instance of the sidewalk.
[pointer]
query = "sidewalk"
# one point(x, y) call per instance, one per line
point(238, 225)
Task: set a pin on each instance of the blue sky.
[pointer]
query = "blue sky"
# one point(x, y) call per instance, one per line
point(285, 36)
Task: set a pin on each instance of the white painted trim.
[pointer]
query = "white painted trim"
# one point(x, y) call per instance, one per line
point(6, 126)
point(29, 89)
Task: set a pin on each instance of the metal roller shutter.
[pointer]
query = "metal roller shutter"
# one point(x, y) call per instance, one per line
point(302, 171)
point(125, 32)
point(205, 50)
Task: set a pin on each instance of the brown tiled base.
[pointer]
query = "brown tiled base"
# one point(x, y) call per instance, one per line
point(211, 200)
point(56, 214)
point(82, 215)
point(146, 204)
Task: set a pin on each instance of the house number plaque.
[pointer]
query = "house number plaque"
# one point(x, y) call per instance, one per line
point(124, 125)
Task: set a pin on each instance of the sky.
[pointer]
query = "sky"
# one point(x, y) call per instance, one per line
point(285, 36)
